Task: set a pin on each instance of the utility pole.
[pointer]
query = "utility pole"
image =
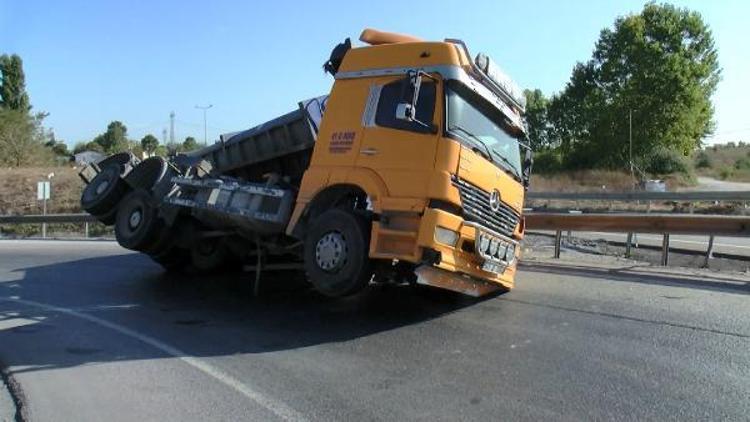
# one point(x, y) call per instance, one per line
point(630, 141)
point(205, 109)
point(171, 127)
point(164, 136)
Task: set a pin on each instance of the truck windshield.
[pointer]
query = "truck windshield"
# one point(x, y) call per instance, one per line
point(482, 126)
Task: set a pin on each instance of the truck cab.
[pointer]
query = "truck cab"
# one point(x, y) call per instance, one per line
point(435, 141)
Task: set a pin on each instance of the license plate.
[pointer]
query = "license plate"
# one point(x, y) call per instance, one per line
point(492, 267)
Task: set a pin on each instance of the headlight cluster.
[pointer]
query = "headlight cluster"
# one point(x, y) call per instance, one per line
point(495, 248)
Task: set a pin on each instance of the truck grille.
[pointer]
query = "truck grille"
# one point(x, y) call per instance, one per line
point(476, 208)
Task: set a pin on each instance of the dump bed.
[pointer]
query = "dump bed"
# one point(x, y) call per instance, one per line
point(288, 134)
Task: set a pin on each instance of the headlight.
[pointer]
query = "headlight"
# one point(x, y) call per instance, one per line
point(510, 253)
point(484, 243)
point(494, 244)
point(446, 236)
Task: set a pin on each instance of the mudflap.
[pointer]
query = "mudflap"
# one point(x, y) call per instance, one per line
point(431, 276)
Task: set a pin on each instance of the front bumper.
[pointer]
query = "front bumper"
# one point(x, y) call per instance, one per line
point(463, 258)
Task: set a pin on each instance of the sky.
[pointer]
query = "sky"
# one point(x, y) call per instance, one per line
point(91, 62)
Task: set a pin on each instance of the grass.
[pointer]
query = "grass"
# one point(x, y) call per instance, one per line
point(18, 190)
point(595, 180)
point(725, 162)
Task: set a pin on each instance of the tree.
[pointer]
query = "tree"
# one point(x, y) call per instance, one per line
point(536, 118)
point(149, 143)
point(13, 94)
point(190, 144)
point(114, 139)
point(22, 138)
point(660, 65)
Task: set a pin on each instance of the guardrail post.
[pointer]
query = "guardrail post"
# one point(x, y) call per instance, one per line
point(665, 250)
point(558, 241)
point(628, 245)
point(709, 251)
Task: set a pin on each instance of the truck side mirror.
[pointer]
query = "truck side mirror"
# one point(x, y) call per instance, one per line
point(406, 109)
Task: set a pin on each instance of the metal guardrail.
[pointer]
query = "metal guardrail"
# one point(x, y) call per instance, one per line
point(643, 196)
point(45, 219)
point(48, 218)
point(665, 224)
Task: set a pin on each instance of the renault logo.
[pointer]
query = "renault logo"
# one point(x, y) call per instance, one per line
point(495, 200)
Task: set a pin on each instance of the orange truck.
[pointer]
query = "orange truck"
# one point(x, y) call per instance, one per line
point(412, 169)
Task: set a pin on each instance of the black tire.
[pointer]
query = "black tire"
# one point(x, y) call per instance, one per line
point(208, 254)
point(137, 224)
point(107, 219)
point(104, 192)
point(146, 174)
point(124, 160)
point(336, 253)
point(173, 259)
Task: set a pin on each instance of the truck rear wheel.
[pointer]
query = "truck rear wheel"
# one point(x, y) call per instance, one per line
point(137, 224)
point(104, 192)
point(336, 253)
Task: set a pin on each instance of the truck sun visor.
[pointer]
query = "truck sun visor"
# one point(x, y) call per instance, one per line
point(499, 77)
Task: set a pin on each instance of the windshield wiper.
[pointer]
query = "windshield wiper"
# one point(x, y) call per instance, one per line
point(508, 165)
point(488, 153)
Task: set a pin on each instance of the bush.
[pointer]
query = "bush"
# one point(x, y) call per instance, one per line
point(703, 161)
point(666, 161)
point(726, 173)
point(742, 163)
point(546, 162)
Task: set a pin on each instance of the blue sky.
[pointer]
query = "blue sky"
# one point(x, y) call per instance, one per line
point(88, 63)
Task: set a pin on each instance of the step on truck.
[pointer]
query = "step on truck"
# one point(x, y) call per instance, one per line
point(412, 169)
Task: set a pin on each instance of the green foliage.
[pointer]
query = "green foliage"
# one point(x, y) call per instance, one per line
point(547, 161)
point(536, 118)
point(114, 139)
point(13, 94)
point(664, 161)
point(726, 173)
point(742, 163)
point(22, 138)
point(190, 144)
point(149, 143)
point(87, 146)
point(702, 160)
point(662, 66)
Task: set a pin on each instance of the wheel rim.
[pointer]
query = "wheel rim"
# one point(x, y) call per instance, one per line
point(135, 218)
point(331, 252)
point(102, 187)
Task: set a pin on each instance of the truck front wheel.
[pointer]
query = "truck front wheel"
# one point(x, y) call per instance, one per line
point(336, 253)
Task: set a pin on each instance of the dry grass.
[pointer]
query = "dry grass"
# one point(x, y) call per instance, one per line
point(594, 181)
point(582, 181)
point(18, 190)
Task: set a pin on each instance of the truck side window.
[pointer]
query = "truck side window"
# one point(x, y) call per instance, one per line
point(391, 95)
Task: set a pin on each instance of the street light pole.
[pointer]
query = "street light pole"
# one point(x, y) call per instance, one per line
point(205, 109)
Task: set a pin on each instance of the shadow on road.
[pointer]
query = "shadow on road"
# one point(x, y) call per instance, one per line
point(635, 274)
point(203, 316)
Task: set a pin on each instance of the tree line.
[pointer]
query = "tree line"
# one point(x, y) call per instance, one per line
point(115, 139)
point(650, 79)
point(25, 142)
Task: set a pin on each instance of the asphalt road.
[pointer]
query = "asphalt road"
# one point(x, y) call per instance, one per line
point(92, 332)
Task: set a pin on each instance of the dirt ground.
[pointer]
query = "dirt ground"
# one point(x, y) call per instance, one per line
point(18, 190)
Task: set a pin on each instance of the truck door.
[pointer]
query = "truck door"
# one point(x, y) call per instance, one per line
point(401, 152)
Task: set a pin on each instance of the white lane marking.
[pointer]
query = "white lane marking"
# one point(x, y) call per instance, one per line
point(278, 408)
